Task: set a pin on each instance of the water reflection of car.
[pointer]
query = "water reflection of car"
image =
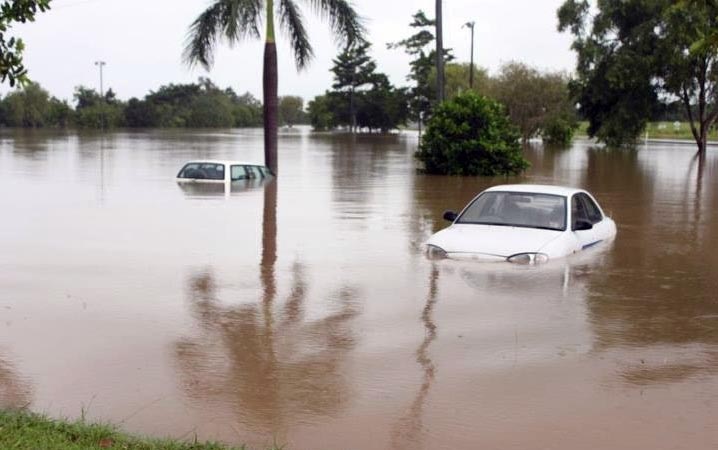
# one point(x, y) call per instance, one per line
point(215, 172)
point(523, 224)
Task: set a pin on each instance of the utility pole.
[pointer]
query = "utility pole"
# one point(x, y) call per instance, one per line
point(471, 67)
point(439, 55)
point(101, 64)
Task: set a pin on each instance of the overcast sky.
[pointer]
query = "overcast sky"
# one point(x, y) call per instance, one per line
point(142, 41)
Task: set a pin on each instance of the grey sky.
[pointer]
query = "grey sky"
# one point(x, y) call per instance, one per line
point(142, 40)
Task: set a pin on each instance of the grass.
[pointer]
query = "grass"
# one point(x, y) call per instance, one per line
point(661, 130)
point(28, 431)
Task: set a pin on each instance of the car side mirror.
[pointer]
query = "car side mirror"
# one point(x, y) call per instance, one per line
point(450, 216)
point(582, 225)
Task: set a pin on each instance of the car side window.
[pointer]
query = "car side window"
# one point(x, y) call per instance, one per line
point(592, 211)
point(253, 172)
point(578, 211)
point(238, 173)
point(189, 171)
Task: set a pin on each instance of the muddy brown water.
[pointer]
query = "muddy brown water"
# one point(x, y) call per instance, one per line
point(304, 312)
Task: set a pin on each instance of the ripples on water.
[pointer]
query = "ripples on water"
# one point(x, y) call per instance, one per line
point(303, 309)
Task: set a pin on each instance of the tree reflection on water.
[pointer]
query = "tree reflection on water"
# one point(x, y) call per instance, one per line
point(273, 368)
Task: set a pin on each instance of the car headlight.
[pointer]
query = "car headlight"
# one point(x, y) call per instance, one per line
point(528, 258)
point(434, 252)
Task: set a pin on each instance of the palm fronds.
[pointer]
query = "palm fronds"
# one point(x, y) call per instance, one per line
point(292, 24)
point(233, 20)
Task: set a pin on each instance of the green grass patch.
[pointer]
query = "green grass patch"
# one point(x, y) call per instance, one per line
point(28, 431)
point(660, 130)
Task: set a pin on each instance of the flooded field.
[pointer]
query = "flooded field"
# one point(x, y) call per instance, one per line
point(303, 311)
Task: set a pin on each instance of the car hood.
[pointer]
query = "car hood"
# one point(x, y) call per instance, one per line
point(492, 239)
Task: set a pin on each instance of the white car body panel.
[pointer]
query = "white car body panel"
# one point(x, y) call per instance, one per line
point(498, 242)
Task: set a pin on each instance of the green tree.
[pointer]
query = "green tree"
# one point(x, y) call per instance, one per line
point(246, 109)
point(291, 110)
point(535, 100)
point(235, 20)
point(11, 48)
point(457, 79)
point(320, 112)
point(353, 69)
point(95, 111)
point(471, 135)
point(423, 67)
point(27, 107)
point(632, 53)
point(383, 107)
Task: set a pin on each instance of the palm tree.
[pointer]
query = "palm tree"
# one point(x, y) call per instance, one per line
point(235, 20)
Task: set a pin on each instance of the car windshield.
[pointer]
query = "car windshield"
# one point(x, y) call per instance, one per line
point(518, 209)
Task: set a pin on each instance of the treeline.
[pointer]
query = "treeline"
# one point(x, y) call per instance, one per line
point(194, 105)
point(362, 99)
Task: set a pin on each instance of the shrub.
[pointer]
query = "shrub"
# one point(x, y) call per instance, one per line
point(471, 135)
point(559, 131)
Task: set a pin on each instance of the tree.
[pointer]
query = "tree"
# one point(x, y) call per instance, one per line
point(471, 135)
point(423, 67)
point(634, 53)
point(291, 110)
point(457, 79)
point(27, 107)
point(536, 101)
point(11, 66)
point(247, 110)
point(320, 113)
point(95, 111)
point(353, 69)
point(383, 107)
point(235, 20)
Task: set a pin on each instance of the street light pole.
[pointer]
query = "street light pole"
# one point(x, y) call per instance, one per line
point(471, 67)
point(440, 92)
point(101, 64)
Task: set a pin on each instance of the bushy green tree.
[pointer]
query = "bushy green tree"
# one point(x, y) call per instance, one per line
point(633, 53)
point(31, 106)
point(246, 109)
point(291, 110)
point(471, 135)
point(383, 107)
point(457, 79)
point(93, 110)
point(320, 111)
point(27, 107)
point(539, 103)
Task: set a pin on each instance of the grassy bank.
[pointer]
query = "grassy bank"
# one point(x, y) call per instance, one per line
point(27, 431)
point(661, 130)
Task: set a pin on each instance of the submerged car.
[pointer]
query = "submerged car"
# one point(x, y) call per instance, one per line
point(525, 224)
point(221, 172)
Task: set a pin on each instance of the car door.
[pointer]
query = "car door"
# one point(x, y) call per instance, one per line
point(601, 227)
point(579, 213)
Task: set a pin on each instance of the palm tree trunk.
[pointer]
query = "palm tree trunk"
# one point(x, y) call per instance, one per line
point(271, 111)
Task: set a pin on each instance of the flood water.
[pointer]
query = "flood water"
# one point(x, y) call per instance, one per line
point(304, 312)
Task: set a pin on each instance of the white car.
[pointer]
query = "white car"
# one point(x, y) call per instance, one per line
point(211, 171)
point(525, 224)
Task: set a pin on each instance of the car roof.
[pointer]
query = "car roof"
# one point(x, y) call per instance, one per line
point(226, 162)
point(564, 191)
